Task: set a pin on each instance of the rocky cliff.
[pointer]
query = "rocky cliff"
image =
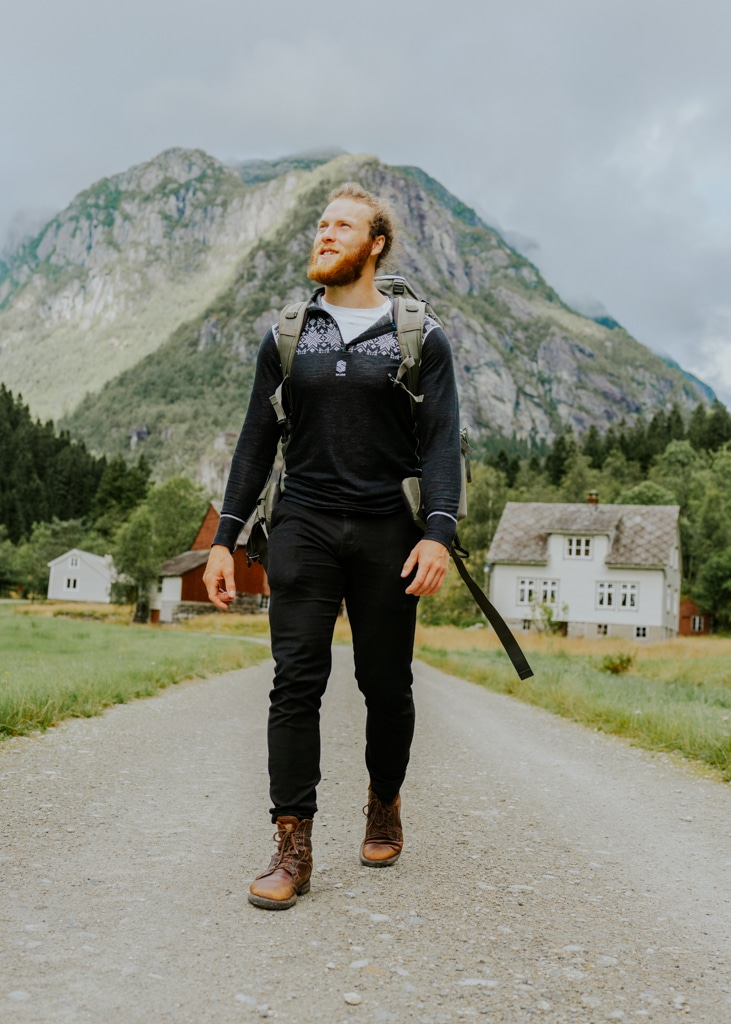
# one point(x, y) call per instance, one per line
point(150, 293)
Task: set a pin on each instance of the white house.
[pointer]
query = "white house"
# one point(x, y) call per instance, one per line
point(80, 576)
point(602, 570)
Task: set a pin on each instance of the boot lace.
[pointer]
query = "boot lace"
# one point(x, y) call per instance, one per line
point(381, 823)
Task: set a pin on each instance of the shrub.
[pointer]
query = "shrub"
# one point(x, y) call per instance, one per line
point(617, 663)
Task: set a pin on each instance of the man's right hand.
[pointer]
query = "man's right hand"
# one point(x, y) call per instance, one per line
point(219, 577)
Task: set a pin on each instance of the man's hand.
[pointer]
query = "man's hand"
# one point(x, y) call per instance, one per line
point(219, 577)
point(432, 559)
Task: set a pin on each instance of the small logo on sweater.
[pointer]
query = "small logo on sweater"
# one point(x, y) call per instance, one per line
point(340, 368)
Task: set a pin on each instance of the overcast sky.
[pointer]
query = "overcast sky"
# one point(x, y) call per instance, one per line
point(598, 132)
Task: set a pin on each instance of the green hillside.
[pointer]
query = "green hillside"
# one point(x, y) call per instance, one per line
point(525, 361)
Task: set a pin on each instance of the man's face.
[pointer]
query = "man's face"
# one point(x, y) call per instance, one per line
point(343, 244)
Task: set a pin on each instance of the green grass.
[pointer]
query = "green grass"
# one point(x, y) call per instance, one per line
point(56, 668)
point(669, 702)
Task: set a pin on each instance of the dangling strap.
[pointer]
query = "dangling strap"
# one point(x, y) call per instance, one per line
point(498, 623)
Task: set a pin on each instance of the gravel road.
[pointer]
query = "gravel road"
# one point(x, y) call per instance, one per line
point(550, 873)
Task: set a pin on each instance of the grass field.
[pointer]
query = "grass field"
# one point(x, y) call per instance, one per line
point(69, 666)
point(675, 697)
point(58, 661)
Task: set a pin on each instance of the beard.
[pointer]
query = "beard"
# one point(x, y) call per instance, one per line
point(340, 272)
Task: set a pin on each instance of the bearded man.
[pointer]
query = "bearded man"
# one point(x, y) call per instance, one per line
point(341, 529)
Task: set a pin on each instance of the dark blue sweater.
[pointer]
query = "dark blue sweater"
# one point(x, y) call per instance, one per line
point(354, 435)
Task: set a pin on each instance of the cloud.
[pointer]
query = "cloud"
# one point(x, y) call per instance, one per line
point(602, 132)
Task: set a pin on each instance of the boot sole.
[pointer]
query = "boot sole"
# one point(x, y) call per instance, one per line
point(379, 863)
point(266, 904)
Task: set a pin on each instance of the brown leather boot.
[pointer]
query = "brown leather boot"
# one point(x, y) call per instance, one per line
point(288, 875)
point(384, 838)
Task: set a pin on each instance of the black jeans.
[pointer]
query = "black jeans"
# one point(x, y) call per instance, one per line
point(315, 560)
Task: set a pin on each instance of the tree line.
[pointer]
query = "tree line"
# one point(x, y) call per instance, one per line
point(56, 496)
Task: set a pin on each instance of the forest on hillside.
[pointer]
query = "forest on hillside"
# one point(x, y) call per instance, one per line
point(56, 496)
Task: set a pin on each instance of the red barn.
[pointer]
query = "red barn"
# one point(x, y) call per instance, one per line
point(181, 577)
point(693, 621)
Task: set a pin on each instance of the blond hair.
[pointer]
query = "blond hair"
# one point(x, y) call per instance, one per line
point(383, 221)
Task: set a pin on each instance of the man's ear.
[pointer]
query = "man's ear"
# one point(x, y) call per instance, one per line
point(378, 244)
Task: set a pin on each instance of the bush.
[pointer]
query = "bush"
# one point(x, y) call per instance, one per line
point(617, 664)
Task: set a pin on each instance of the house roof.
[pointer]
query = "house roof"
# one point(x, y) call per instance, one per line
point(97, 561)
point(181, 564)
point(639, 535)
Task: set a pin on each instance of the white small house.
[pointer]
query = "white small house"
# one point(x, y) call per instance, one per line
point(598, 570)
point(80, 576)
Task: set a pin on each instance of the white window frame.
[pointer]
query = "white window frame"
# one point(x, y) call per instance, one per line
point(605, 594)
point(629, 597)
point(549, 592)
point(71, 583)
point(74, 562)
point(533, 589)
point(602, 629)
point(640, 632)
point(578, 546)
point(697, 623)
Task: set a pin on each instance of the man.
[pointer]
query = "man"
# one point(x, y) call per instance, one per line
point(341, 529)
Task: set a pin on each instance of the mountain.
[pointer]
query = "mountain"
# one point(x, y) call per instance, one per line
point(107, 280)
point(139, 309)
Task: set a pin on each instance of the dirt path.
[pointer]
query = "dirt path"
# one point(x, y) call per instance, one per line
point(551, 874)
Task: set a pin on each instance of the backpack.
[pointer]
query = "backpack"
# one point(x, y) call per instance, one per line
point(409, 314)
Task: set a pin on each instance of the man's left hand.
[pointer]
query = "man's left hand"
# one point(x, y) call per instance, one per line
point(432, 559)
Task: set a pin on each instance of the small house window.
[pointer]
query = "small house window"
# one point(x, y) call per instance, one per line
point(578, 547)
point(549, 591)
point(602, 629)
point(526, 624)
point(696, 623)
point(71, 583)
point(641, 632)
point(604, 594)
point(628, 595)
point(74, 562)
point(526, 591)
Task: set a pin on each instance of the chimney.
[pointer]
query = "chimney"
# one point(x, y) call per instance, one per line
point(592, 498)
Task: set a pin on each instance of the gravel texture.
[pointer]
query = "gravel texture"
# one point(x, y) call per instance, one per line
point(550, 873)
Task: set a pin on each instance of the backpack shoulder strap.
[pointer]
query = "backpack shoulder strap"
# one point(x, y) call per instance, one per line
point(291, 322)
point(408, 314)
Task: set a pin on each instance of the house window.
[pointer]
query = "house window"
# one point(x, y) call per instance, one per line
point(545, 590)
point(526, 624)
point(74, 562)
point(696, 623)
point(602, 629)
point(628, 597)
point(578, 547)
point(71, 583)
point(264, 602)
point(604, 594)
point(641, 632)
point(549, 591)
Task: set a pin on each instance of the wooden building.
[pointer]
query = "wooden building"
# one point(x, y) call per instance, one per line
point(693, 621)
point(181, 577)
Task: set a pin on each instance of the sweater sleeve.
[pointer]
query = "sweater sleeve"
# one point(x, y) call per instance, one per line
point(255, 449)
point(438, 422)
